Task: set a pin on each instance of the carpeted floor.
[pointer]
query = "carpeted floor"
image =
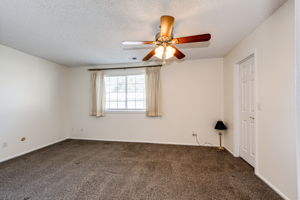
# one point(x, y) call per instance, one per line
point(81, 170)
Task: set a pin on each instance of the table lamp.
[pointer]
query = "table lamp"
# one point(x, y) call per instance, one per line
point(221, 127)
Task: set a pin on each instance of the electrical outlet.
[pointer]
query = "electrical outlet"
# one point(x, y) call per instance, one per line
point(195, 135)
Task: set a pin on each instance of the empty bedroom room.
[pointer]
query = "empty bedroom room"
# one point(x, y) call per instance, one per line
point(152, 100)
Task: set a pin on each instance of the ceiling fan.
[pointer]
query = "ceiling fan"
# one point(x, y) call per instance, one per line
point(166, 42)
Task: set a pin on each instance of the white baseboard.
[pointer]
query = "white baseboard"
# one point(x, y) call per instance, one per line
point(272, 186)
point(139, 141)
point(147, 142)
point(108, 140)
point(264, 180)
point(31, 150)
point(230, 152)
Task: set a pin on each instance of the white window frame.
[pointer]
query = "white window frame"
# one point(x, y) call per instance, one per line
point(125, 73)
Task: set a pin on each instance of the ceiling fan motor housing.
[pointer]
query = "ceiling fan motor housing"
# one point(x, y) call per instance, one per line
point(163, 38)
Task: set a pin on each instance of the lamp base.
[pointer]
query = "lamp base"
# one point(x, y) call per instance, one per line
point(221, 148)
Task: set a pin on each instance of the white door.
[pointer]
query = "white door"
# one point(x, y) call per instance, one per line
point(247, 111)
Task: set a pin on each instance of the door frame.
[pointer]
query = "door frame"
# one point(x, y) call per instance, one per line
point(236, 99)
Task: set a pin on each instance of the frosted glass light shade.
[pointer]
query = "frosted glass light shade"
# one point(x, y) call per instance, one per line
point(159, 51)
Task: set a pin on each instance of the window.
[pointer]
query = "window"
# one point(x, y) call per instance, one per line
point(125, 92)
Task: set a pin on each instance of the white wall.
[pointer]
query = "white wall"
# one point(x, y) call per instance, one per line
point(31, 102)
point(276, 151)
point(192, 101)
point(297, 75)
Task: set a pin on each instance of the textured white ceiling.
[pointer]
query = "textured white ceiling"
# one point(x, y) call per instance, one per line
point(89, 32)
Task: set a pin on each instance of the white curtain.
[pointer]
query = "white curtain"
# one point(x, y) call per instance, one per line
point(97, 98)
point(153, 91)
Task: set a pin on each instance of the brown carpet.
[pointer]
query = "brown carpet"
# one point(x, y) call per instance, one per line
point(81, 170)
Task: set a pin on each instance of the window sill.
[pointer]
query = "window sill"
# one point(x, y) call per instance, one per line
point(125, 111)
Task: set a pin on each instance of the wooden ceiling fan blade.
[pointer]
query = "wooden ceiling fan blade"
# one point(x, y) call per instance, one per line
point(137, 42)
point(166, 25)
point(178, 54)
point(193, 38)
point(149, 55)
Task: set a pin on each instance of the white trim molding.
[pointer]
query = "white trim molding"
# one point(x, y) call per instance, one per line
point(227, 149)
point(271, 186)
point(31, 150)
point(140, 141)
point(145, 142)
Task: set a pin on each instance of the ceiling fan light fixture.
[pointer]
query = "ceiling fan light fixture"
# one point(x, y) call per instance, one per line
point(159, 52)
point(165, 41)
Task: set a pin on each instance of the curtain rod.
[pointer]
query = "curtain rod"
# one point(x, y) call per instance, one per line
point(100, 69)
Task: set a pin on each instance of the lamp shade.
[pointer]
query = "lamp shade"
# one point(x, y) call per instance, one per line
point(220, 126)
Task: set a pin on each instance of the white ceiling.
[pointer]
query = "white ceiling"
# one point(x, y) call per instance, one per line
point(89, 32)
